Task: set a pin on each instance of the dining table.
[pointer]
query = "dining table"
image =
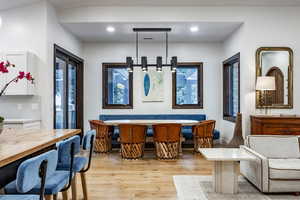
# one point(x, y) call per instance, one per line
point(17, 145)
point(150, 122)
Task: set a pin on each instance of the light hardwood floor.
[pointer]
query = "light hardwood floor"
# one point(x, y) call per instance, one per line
point(113, 178)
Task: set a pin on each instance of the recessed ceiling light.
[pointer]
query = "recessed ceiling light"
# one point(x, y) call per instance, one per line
point(110, 29)
point(194, 29)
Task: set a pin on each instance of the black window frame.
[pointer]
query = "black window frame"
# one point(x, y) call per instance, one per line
point(199, 105)
point(105, 104)
point(227, 89)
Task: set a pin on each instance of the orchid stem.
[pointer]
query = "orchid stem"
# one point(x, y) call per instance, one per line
point(6, 85)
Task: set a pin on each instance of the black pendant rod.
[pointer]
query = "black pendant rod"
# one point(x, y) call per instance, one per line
point(152, 65)
point(167, 47)
point(137, 47)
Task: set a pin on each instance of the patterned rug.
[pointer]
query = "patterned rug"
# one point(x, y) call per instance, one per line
point(201, 188)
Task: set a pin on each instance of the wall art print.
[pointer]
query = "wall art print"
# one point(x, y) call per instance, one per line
point(152, 86)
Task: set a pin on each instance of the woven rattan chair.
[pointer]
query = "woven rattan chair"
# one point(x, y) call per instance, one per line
point(132, 138)
point(203, 134)
point(167, 140)
point(103, 136)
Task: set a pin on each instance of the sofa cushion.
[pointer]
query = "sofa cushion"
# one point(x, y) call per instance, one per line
point(275, 146)
point(284, 168)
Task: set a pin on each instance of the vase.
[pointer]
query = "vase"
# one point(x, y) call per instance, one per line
point(1, 127)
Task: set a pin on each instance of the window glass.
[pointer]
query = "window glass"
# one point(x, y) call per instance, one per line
point(186, 86)
point(231, 81)
point(118, 86)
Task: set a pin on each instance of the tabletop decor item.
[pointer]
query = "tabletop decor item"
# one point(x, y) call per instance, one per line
point(4, 68)
point(1, 124)
point(265, 84)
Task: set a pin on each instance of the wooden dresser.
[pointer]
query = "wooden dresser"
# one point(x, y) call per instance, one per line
point(275, 125)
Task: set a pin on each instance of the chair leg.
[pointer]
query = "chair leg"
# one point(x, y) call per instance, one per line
point(65, 195)
point(48, 197)
point(84, 188)
point(74, 191)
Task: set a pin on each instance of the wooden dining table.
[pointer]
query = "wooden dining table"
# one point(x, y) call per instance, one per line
point(17, 145)
point(150, 122)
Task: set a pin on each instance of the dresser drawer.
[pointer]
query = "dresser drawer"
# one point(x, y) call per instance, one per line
point(268, 125)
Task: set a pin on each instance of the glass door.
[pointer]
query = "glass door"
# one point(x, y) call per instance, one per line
point(72, 74)
point(67, 91)
point(60, 93)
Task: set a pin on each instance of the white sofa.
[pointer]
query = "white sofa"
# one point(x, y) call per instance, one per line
point(277, 164)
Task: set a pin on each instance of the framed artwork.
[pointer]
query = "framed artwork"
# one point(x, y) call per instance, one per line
point(152, 86)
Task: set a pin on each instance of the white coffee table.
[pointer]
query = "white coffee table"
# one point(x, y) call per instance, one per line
point(226, 167)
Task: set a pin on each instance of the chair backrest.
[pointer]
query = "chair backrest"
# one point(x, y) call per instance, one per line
point(87, 139)
point(102, 129)
point(167, 132)
point(64, 149)
point(204, 128)
point(28, 174)
point(130, 133)
point(274, 146)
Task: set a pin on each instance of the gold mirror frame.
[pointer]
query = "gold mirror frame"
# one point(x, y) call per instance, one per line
point(289, 105)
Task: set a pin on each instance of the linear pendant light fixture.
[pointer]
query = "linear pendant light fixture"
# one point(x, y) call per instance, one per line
point(144, 64)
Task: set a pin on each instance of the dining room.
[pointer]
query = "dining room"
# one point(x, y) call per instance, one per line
point(149, 100)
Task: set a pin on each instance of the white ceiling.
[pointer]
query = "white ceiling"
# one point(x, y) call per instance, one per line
point(78, 3)
point(7, 4)
point(208, 31)
point(61, 4)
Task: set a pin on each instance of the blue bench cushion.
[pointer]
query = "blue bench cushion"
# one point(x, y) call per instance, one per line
point(186, 130)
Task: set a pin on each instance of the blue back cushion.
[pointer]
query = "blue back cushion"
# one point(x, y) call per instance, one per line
point(28, 171)
point(64, 149)
point(87, 139)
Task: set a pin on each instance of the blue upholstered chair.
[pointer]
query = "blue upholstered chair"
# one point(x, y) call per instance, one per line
point(81, 163)
point(30, 173)
point(56, 181)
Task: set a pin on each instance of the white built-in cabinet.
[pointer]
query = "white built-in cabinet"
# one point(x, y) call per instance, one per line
point(24, 61)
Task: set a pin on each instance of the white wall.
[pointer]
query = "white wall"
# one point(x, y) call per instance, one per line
point(97, 53)
point(35, 28)
point(24, 29)
point(56, 34)
point(262, 28)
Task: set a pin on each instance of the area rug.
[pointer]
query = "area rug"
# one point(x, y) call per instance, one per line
point(201, 188)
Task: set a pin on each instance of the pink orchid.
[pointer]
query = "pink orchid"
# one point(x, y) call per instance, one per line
point(4, 69)
point(21, 75)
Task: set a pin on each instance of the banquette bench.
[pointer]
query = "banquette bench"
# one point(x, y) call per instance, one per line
point(186, 130)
